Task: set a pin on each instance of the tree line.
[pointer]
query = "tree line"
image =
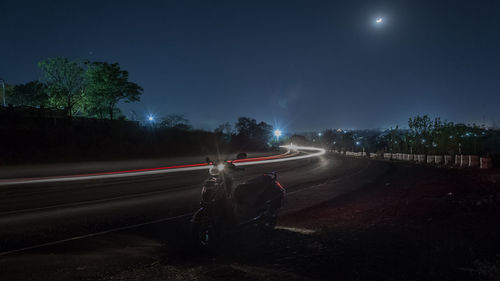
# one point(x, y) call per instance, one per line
point(80, 139)
point(424, 135)
point(246, 133)
point(83, 88)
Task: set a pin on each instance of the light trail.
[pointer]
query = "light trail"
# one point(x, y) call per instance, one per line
point(172, 169)
point(318, 152)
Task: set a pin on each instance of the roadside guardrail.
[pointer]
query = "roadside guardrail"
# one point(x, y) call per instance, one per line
point(463, 161)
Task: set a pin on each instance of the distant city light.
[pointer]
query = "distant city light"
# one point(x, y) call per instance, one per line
point(277, 133)
point(151, 118)
point(319, 134)
point(357, 143)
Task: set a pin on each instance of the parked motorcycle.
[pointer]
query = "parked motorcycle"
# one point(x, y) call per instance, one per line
point(225, 208)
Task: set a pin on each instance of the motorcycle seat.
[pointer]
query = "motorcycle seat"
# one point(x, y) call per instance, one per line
point(250, 192)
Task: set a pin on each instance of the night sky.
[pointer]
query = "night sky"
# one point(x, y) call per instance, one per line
point(301, 65)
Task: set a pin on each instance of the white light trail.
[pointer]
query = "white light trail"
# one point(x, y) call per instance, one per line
point(316, 152)
point(92, 177)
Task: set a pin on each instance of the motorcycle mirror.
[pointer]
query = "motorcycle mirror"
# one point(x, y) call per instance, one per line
point(241, 155)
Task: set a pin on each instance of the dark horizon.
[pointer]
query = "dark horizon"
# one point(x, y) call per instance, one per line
point(301, 66)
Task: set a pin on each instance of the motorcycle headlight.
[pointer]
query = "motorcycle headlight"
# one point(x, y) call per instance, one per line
point(215, 170)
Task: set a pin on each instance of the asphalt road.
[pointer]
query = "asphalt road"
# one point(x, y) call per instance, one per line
point(47, 216)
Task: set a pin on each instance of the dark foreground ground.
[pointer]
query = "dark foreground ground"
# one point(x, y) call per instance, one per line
point(416, 223)
point(413, 223)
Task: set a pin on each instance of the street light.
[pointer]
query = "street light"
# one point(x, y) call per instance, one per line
point(150, 118)
point(3, 88)
point(358, 143)
point(277, 133)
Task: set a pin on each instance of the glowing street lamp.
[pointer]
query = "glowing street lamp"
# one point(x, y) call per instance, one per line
point(379, 20)
point(150, 119)
point(358, 143)
point(277, 133)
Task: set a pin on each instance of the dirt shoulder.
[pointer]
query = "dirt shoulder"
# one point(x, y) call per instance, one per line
point(415, 223)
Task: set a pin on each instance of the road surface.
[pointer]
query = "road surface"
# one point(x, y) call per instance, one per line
point(38, 220)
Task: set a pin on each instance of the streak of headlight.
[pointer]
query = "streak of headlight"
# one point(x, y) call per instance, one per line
point(317, 152)
point(154, 171)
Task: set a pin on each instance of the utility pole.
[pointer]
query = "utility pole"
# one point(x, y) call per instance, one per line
point(3, 88)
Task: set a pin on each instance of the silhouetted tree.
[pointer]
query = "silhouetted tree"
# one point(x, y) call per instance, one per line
point(32, 93)
point(347, 142)
point(252, 134)
point(225, 130)
point(107, 85)
point(176, 121)
point(299, 139)
point(327, 138)
point(65, 81)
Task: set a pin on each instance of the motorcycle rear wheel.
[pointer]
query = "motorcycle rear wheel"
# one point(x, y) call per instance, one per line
point(269, 223)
